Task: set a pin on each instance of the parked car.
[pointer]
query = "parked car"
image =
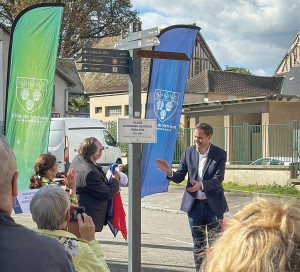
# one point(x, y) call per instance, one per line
point(278, 161)
point(274, 161)
point(65, 137)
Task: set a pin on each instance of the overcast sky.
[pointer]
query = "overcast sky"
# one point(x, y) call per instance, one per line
point(254, 34)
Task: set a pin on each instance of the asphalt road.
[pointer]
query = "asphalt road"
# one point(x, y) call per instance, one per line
point(166, 243)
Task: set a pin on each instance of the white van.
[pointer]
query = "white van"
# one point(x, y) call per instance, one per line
point(65, 137)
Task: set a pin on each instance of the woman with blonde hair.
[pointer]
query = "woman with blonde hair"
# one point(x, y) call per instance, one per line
point(263, 237)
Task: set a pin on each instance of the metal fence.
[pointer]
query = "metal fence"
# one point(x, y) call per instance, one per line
point(244, 144)
point(247, 143)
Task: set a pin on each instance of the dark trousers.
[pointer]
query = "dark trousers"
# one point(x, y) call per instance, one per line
point(200, 218)
point(98, 217)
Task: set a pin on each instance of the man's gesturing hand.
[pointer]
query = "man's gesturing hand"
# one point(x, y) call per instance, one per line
point(164, 166)
point(197, 186)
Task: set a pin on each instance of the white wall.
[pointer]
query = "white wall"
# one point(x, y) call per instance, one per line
point(61, 101)
point(259, 174)
point(4, 44)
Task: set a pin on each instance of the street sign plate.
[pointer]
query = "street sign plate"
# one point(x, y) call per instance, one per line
point(130, 130)
point(151, 32)
point(138, 43)
point(104, 69)
point(92, 59)
point(103, 52)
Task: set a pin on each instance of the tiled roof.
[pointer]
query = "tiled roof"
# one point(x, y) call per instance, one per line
point(291, 82)
point(67, 68)
point(104, 82)
point(241, 101)
point(231, 83)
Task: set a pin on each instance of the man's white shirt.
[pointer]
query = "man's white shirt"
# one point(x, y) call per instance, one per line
point(202, 162)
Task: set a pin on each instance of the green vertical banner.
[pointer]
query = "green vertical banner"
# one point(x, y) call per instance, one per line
point(30, 82)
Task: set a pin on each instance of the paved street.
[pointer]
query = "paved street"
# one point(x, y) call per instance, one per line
point(166, 239)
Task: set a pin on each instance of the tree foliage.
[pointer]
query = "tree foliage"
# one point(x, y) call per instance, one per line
point(82, 19)
point(240, 70)
point(75, 104)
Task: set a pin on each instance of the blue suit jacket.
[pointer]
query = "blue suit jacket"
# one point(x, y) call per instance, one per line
point(213, 175)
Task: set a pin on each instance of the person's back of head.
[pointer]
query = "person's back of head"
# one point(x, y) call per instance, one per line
point(88, 147)
point(49, 206)
point(43, 163)
point(8, 169)
point(263, 236)
point(18, 244)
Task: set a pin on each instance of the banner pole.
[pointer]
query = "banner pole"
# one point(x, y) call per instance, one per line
point(30, 83)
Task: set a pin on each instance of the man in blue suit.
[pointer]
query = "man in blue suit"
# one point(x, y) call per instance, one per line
point(203, 199)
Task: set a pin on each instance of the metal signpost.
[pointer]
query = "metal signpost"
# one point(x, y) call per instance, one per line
point(134, 166)
point(134, 41)
point(127, 60)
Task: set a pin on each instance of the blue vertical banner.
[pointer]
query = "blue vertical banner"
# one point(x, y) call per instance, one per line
point(164, 102)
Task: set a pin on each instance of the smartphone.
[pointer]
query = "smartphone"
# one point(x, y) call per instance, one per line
point(74, 211)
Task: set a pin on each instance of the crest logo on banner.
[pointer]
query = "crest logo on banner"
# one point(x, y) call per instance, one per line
point(31, 93)
point(165, 104)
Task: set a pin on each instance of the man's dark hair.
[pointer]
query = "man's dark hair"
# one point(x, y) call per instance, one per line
point(208, 130)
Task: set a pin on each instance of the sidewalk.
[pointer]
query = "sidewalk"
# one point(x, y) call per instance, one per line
point(166, 243)
point(168, 201)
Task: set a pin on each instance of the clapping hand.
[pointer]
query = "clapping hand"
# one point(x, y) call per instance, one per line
point(70, 180)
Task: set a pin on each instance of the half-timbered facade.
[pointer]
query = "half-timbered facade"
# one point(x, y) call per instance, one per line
point(291, 58)
point(203, 59)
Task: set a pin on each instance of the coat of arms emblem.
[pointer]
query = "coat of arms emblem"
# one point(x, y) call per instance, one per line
point(31, 93)
point(165, 104)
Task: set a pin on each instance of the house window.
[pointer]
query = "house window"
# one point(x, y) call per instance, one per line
point(126, 110)
point(113, 111)
point(98, 109)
